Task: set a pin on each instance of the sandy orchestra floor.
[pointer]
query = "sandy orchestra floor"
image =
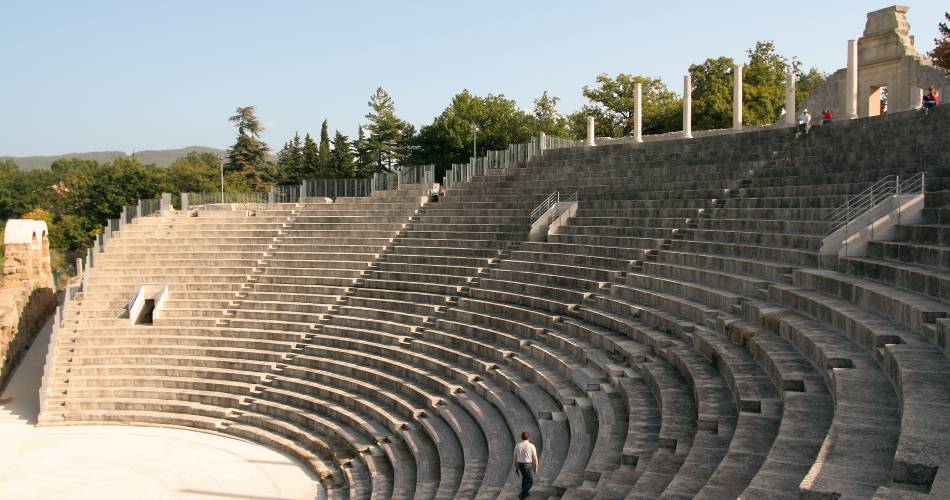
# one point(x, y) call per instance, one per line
point(125, 462)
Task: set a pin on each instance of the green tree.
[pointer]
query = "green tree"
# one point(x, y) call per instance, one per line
point(712, 93)
point(606, 124)
point(389, 137)
point(249, 154)
point(363, 163)
point(547, 118)
point(448, 139)
point(806, 82)
point(940, 55)
point(341, 158)
point(310, 156)
point(661, 106)
point(764, 85)
point(290, 160)
point(324, 160)
point(196, 173)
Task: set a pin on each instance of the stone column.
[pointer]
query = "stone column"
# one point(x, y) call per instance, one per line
point(79, 267)
point(590, 131)
point(790, 111)
point(687, 107)
point(737, 97)
point(542, 141)
point(851, 90)
point(638, 114)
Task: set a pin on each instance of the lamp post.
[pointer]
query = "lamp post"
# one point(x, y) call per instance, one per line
point(474, 141)
point(222, 182)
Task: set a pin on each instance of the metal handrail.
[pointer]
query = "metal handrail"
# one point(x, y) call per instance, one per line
point(873, 195)
point(545, 205)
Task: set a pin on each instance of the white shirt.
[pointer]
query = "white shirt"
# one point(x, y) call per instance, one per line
point(804, 118)
point(526, 453)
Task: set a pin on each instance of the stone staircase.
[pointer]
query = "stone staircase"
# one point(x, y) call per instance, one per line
point(679, 337)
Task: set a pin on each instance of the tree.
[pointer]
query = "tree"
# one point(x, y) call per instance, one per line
point(940, 55)
point(364, 165)
point(712, 93)
point(388, 140)
point(661, 107)
point(764, 85)
point(341, 158)
point(246, 121)
point(763, 88)
point(196, 173)
point(310, 156)
point(324, 160)
point(249, 154)
point(547, 118)
point(606, 124)
point(448, 139)
point(806, 82)
point(290, 160)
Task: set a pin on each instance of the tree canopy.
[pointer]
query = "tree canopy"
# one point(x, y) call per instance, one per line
point(248, 156)
point(661, 106)
point(940, 55)
point(389, 139)
point(449, 138)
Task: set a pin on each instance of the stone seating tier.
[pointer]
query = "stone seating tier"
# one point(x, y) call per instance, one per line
point(678, 337)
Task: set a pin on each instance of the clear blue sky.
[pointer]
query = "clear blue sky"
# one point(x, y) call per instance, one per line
point(133, 75)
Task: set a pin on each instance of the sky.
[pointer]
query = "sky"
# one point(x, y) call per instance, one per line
point(133, 75)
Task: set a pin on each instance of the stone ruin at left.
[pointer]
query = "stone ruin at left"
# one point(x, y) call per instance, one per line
point(27, 291)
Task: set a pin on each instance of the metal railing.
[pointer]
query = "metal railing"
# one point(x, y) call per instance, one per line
point(253, 198)
point(545, 205)
point(497, 159)
point(285, 194)
point(335, 188)
point(416, 174)
point(872, 196)
point(149, 207)
point(549, 202)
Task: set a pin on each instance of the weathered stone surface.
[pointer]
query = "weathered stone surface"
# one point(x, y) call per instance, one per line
point(26, 290)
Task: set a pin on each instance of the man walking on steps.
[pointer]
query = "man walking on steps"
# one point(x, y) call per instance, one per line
point(526, 463)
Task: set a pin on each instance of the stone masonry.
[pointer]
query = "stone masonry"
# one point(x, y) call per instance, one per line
point(27, 292)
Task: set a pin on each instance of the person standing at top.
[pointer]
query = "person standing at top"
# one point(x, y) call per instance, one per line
point(932, 99)
point(826, 116)
point(526, 463)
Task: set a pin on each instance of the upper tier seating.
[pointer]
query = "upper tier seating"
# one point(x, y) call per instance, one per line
point(679, 337)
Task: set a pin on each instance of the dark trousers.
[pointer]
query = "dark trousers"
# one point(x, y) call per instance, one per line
point(527, 478)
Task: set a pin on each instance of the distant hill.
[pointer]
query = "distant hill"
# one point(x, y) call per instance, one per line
point(160, 157)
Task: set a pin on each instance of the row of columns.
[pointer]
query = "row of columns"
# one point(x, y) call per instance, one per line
point(688, 104)
point(851, 99)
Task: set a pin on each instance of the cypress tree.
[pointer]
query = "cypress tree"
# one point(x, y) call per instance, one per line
point(324, 162)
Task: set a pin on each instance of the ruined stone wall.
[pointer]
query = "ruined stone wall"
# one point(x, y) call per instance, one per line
point(27, 294)
point(886, 58)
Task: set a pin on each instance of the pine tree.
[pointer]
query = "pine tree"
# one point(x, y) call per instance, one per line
point(290, 160)
point(341, 159)
point(388, 141)
point(310, 156)
point(297, 151)
point(248, 156)
point(325, 170)
point(364, 166)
